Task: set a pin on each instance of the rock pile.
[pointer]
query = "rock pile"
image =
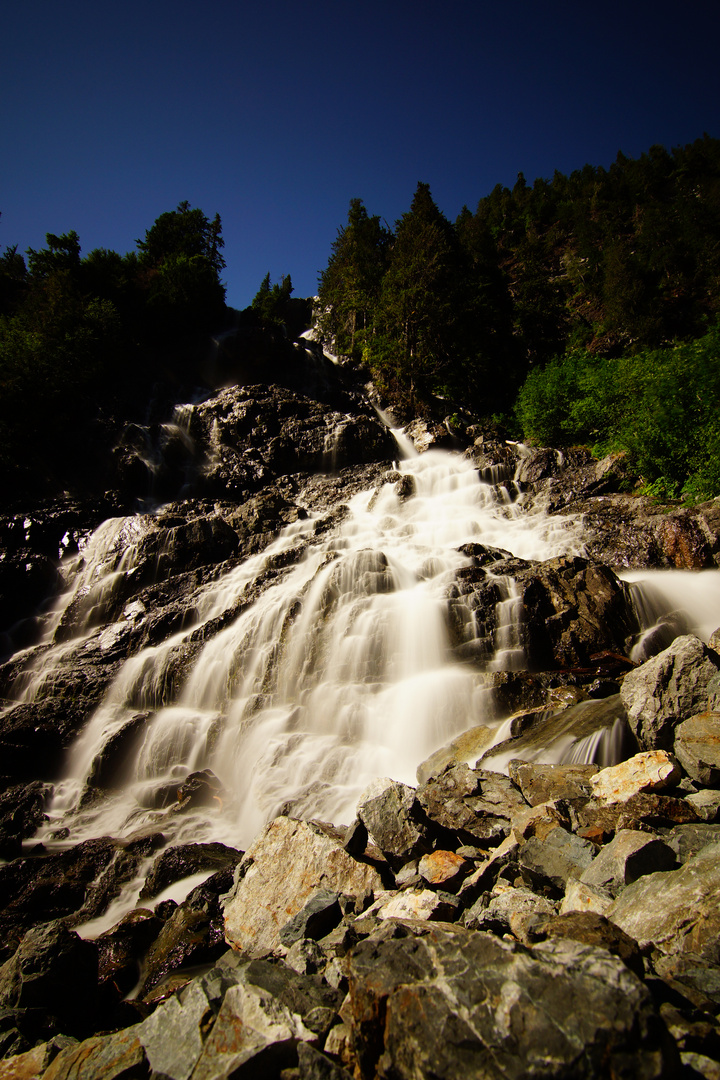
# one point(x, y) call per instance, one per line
point(555, 921)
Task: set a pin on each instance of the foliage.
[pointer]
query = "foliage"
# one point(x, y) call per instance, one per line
point(271, 302)
point(659, 405)
point(79, 336)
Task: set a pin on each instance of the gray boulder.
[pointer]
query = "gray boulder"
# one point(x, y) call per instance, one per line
point(669, 688)
point(628, 856)
point(676, 911)
point(394, 819)
point(697, 748)
point(474, 1006)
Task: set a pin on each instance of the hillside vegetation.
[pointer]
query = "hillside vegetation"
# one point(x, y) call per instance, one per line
point(576, 309)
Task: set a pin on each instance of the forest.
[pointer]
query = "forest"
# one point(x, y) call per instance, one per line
point(578, 309)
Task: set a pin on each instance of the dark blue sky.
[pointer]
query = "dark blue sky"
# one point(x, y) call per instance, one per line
point(276, 114)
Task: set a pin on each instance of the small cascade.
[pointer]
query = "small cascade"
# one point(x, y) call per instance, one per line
point(92, 576)
point(672, 602)
point(509, 651)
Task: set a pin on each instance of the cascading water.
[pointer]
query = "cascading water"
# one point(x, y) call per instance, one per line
point(339, 672)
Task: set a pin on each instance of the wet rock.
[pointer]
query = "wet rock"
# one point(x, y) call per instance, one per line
point(193, 934)
point(77, 884)
point(668, 689)
point(600, 726)
point(287, 862)
point(176, 863)
point(34, 982)
point(22, 811)
point(121, 949)
point(653, 770)
point(443, 1006)
point(697, 747)
point(467, 747)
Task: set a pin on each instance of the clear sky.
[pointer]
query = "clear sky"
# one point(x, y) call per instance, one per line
point(276, 114)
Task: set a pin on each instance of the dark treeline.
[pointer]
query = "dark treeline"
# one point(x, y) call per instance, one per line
point(86, 339)
point(565, 276)
point(552, 307)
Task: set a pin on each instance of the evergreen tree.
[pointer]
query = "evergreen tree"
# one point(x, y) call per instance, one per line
point(350, 285)
point(420, 308)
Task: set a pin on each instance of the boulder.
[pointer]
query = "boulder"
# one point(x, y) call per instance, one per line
point(627, 857)
point(669, 688)
point(101, 1057)
point(474, 804)
point(477, 1006)
point(697, 748)
point(182, 861)
point(675, 911)
point(653, 770)
point(287, 862)
point(543, 783)
point(547, 865)
point(394, 819)
point(35, 981)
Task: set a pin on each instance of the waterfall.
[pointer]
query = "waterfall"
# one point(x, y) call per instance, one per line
point(338, 672)
point(335, 668)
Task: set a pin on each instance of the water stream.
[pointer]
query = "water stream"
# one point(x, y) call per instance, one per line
point(341, 671)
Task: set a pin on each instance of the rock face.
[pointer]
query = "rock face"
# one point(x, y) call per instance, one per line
point(516, 914)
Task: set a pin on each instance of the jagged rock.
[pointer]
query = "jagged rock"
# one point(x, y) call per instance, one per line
point(653, 770)
point(193, 934)
point(542, 783)
point(688, 840)
point(513, 910)
point(582, 897)
point(22, 810)
point(176, 863)
point(697, 747)
point(108, 1057)
point(676, 911)
point(419, 904)
point(316, 918)
point(646, 810)
point(668, 689)
point(394, 819)
point(549, 863)
point(592, 928)
point(706, 804)
point(443, 868)
point(627, 857)
point(312, 1065)
point(447, 1006)
point(279, 872)
point(121, 948)
point(475, 804)
point(34, 982)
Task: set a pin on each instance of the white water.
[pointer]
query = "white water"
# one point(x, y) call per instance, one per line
point(337, 674)
point(340, 672)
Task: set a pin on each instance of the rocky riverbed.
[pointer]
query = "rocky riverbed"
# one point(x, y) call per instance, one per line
point(511, 913)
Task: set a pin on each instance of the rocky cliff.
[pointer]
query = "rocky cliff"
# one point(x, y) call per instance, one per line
point(200, 880)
